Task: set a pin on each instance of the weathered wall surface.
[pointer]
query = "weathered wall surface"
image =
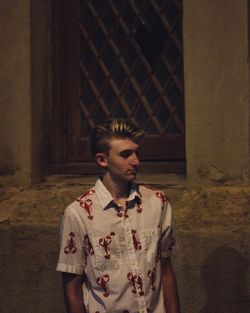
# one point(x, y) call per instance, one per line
point(25, 88)
point(211, 260)
point(216, 66)
point(15, 110)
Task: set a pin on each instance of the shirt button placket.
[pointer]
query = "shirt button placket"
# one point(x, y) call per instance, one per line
point(133, 260)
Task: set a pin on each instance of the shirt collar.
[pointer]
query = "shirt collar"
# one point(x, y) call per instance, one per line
point(105, 197)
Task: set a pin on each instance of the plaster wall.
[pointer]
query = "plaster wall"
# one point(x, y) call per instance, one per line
point(216, 66)
point(15, 110)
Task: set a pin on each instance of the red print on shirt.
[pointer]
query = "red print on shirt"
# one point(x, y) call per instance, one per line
point(136, 283)
point(125, 215)
point(102, 281)
point(136, 242)
point(88, 246)
point(151, 276)
point(121, 213)
point(87, 203)
point(162, 196)
point(70, 247)
point(139, 208)
point(88, 193)
point(105, 244)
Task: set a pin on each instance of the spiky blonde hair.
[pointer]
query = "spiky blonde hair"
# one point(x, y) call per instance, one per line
point(113, 128)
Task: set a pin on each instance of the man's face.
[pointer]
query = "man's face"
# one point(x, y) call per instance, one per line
point(122, 159)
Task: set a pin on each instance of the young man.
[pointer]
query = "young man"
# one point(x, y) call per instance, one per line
point(117, 238)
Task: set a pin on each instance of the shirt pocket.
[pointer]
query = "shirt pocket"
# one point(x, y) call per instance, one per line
point(150, 244)
point(107, 252)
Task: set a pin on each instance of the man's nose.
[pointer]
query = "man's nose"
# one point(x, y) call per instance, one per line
point(135, 159)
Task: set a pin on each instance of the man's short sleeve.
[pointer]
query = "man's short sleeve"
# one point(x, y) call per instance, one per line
point(168, 233)
point(71, 256)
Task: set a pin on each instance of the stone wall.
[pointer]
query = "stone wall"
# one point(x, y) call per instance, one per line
point(211, 260)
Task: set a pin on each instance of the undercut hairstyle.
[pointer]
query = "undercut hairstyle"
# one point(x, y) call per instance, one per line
point(114, 128)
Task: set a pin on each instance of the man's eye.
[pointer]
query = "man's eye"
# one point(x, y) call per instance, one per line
point(126, 154)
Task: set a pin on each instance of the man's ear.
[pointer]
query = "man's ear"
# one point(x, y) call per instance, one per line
point(101, 160)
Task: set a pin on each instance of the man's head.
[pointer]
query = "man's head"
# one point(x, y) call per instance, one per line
point(113, 129)
point(115, 148)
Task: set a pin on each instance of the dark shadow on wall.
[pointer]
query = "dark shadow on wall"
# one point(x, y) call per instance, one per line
point(224, 275)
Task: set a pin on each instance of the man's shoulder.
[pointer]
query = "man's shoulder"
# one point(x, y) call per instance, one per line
point(148, 191)
point(86, 196)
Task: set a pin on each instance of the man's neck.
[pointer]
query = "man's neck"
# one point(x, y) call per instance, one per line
point(118, 189)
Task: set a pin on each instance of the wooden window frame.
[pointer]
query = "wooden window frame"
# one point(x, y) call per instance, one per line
point(62, 69)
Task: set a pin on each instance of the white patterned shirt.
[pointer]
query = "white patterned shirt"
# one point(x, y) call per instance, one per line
point(119, 249)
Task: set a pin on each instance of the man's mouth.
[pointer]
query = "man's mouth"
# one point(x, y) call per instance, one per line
point(133, 172)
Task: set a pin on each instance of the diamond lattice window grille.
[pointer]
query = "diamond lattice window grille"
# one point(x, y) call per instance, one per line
point(132, 61)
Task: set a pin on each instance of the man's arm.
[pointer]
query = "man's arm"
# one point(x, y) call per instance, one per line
point(73, 296)
point(171, 298)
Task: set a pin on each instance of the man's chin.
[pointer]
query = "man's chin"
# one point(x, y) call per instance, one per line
point(132, 176)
